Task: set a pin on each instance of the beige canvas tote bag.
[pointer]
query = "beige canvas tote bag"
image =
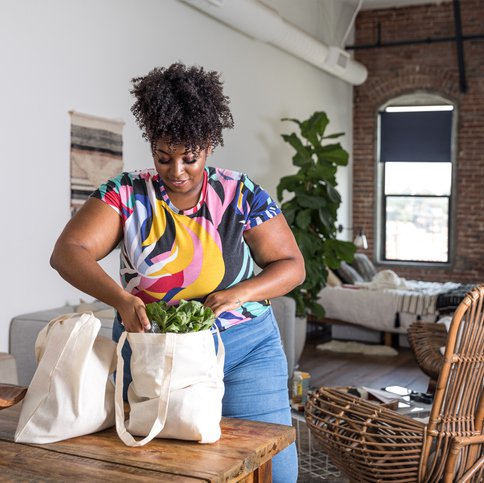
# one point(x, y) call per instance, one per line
point(177, 387)
point(71, 393)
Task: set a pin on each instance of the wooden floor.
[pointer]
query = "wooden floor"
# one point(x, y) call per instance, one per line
point(341, 369)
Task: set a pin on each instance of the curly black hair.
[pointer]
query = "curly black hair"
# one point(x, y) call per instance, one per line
point(183, 105)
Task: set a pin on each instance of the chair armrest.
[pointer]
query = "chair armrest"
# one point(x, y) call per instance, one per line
point(457, 445)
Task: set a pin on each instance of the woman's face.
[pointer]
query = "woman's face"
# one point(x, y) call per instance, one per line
point(181, 171)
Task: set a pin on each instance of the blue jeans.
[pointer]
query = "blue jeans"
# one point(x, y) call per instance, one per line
point(255, 378)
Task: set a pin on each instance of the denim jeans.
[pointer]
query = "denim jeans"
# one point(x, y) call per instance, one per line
point(255, 378)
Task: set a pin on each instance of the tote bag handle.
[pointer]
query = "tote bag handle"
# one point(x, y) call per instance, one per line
point(220, 350)
point(160, 420)
point(43, 336)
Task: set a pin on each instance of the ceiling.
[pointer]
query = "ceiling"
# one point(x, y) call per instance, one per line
point(374, 4)
point(329, 20)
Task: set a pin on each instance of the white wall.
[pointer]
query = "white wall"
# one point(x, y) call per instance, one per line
point(58, 55)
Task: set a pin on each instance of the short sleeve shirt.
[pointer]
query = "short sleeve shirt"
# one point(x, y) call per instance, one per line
point(168, 254)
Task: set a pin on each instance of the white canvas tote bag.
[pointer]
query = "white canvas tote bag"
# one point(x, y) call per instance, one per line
point(177, 387)
point(71, 393)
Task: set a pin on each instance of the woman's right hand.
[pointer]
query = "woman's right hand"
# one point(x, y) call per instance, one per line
point(132, 311)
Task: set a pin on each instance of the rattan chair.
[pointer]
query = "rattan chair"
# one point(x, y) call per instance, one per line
point(425, 340)
point(371, 443)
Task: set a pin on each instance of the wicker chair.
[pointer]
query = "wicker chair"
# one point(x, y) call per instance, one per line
point(371, 443)
point(426, 339)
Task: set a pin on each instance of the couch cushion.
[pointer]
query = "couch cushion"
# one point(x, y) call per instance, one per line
point(364, 266)
point(333, 280)
point(8, 369)
point(348, 274)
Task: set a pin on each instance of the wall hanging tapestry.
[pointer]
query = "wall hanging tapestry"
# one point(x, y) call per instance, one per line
point(96, 154)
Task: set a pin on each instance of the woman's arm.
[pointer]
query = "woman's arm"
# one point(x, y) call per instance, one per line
point(274, 249)
point(88, 237)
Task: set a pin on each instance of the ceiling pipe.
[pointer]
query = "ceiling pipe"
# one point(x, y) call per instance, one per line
point(263, 23)
point(352, 22)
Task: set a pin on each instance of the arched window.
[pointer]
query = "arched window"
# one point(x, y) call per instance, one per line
point(415, 173)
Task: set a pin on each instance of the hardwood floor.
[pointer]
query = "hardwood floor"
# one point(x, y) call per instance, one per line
point(342, 369)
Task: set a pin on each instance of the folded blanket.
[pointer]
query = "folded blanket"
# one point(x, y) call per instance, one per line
point(449, 300)
point(385, 279)
point(416, 297)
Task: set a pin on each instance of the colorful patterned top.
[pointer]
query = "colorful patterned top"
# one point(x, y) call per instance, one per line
point(168, 254)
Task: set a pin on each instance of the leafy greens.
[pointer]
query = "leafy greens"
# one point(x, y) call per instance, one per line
point(187, 316)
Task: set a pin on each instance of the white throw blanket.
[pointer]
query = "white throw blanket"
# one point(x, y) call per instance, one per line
point(377, 305)
point(386, 279)
point(416, 297)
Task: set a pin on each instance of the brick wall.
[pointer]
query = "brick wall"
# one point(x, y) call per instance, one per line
point(432, 67)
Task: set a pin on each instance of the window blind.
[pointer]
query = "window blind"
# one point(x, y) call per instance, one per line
point(416, 136)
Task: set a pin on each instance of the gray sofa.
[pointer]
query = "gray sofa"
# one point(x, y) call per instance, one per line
point(24, 329)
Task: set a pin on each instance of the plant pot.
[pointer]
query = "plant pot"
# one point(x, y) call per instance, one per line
point(299, 337)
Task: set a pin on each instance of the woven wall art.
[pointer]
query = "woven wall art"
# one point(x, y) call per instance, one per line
point(96, 154)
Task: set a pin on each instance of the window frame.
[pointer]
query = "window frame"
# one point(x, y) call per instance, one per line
point(418, 98)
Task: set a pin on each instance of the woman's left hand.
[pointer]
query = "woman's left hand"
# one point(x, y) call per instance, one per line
point(223, 301)
point(274, 249)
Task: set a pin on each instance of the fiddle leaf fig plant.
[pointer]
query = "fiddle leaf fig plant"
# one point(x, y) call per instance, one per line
point(312, 211)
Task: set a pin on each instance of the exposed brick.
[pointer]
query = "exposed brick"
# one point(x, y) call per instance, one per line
point(432, 67)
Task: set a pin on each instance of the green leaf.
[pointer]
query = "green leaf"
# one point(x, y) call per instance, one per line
point(303, 154)
point(188, 316)
point(333, 153)
point(288, 183)
point(303, 219)
point(290, 215)
point(313, 128)
point(333, 194)
point(315, 278)
point(325, 218)
point(158, 313)
point(335, 135)
point(309, 201)
point(337, 251)
point(173, 327)
point(322, 170)
point(291, 120)
point(307, 243)
point(317, 310)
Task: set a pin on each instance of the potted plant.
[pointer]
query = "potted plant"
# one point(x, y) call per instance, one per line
point(312, 211)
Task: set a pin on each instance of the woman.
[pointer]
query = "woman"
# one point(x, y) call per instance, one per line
point(189, 231)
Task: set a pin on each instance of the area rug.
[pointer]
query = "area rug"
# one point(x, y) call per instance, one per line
point(314, 464)
point(357, 348)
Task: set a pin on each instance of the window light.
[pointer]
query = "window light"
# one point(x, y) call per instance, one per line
point(440, 107)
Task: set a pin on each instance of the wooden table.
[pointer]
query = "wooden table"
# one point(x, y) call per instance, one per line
point(243, 454)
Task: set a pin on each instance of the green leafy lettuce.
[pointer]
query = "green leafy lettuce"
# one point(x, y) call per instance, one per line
point(187, 316)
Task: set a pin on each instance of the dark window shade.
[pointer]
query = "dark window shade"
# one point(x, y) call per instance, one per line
point(415, 136)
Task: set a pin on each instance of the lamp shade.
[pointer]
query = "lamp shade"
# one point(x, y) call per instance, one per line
point(360, 240)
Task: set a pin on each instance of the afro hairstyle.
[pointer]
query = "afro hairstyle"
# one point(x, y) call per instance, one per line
point(183, 106)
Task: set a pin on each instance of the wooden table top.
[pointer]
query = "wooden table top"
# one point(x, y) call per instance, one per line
point(11, 394)
point(243, 448)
